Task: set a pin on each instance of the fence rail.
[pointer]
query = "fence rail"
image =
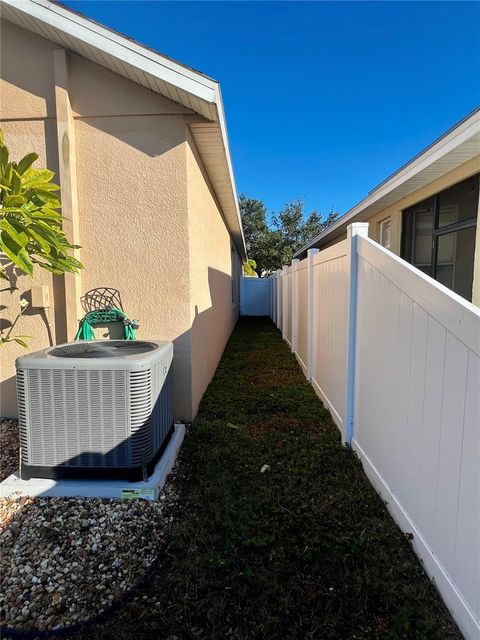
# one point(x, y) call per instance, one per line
point(395, 356)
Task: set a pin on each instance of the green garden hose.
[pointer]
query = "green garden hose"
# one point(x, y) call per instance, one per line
point(103, 316)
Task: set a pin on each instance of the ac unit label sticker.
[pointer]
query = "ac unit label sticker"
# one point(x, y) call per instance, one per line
point(136, 494)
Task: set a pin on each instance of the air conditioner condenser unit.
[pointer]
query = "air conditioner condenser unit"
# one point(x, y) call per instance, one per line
point(95, 409)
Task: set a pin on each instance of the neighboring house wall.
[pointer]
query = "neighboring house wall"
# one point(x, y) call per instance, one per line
point(394, 212)
point(214, 277)
point(164, 245)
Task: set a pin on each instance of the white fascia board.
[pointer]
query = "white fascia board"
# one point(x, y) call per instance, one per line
point(223, 128)
point(461, 133)
point(118, 46)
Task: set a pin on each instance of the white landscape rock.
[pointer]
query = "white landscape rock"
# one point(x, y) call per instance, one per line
point(63, 560)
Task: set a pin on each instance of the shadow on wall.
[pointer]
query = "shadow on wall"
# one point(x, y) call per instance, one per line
point(196, 351)
point(137, 131)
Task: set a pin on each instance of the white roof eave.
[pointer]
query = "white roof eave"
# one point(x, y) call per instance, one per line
point(193, 90)
point(436, 155)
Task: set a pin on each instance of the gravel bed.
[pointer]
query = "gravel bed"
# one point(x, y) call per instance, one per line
point(63, 560)
point(8, 447)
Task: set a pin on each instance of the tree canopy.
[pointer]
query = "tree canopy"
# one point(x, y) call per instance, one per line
point(273, 244)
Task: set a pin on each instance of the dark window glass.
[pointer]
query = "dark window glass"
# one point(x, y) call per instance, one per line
point(422, 235)
point(459, 203)
point(455, 258)
point(439, 236)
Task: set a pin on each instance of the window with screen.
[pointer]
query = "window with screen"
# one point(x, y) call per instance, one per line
point(385, 233)
point(439, 235)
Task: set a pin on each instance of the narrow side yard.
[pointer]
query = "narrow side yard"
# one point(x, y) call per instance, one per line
point(276, 531)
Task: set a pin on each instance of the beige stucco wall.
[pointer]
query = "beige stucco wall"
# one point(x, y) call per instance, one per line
point(27, 109)
point(132, 196)
point(163, 245)
point(214, 266)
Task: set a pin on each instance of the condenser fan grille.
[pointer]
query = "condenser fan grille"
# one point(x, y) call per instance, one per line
point(106, 349)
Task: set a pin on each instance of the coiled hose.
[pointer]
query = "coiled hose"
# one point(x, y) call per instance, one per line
point(103, 316)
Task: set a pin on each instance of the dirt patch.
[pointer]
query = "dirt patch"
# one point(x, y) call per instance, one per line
point(273, 377)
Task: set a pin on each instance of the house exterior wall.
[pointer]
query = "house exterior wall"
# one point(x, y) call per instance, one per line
point(214, 277)
point(394, 212)
point(136, 215)
point(27, 103)
point(132, 198)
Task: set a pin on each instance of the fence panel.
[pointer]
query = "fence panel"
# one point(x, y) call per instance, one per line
point(417, 417)
point(280, 299)
point(330, 328)
point(287, 305)
point(255, 296)
point(273, 298)
point(301, 311)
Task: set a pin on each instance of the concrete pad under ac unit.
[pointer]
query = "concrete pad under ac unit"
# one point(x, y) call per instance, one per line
point(115, 489)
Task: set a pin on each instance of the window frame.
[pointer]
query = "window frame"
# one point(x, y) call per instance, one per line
point(381, 226)
point(408, 227)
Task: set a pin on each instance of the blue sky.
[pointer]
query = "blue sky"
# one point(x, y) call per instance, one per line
point(323, 100)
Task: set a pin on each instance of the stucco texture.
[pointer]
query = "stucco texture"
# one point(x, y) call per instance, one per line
point(43, 327)
point(214, 303)
point(149, 224)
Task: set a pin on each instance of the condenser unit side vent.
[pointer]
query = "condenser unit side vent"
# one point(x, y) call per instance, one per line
point(101, 412)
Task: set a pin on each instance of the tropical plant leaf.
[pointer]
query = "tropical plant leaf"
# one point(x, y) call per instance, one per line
point(15, 252)
point(3, 156)
point(44, 244)
point(18, 236)
point(26, 162)
point(20, 341)
point(16, 200)
point(33, 178)
point(48, 267)
point(30, 217)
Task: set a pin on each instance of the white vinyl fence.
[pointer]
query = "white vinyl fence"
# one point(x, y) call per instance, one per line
point(395, 356)
point(255, 296)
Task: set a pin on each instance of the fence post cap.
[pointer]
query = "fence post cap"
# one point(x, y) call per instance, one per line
point(357, 229)
point(312, 252)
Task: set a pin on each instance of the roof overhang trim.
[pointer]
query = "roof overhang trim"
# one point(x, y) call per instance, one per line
point(152, 70)
point(459, 145)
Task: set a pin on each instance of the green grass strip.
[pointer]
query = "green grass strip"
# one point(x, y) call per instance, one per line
point(304, 549)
